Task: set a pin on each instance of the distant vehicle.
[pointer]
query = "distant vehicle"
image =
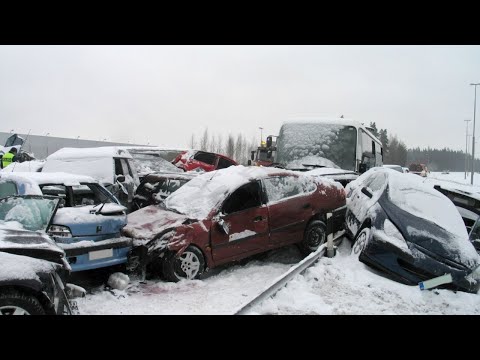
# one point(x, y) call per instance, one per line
point(233, 213)
point(405, 169)
point(394, 167)
point(33, 269)
point(409, 231)
point(156, 187)
point(418, 169)
point(112, 166)
point(88, 224)
point(263, 156)
point(335, 143)
point(194, 160)
point(445, 172)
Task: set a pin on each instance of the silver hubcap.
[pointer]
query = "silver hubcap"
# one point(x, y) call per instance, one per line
point(190, 264)
point(360, 243)
point(13, 310)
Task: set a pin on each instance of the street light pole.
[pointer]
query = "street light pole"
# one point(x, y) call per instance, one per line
point(261, 135)
point(473, 134)
point(466, 148)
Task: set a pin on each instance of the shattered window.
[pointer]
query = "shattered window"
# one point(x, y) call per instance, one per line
point(245, 197)
point(282, 187)
point(89, 194)
point(32, 213)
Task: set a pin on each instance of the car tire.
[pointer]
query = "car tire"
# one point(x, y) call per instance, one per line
point(14, 302)
point(314, 236)
point(189, 265)
point(360, 243)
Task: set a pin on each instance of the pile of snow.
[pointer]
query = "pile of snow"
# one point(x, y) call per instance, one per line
point(344, 286)
point(67, 153)
point(118, 281)
point(41, 178)
point(26, 166)
point(21, 267)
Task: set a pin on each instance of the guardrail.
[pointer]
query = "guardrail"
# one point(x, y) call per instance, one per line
point(282, 280)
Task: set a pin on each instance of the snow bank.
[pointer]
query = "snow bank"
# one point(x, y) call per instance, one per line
point(21, 267)
point(26, 166)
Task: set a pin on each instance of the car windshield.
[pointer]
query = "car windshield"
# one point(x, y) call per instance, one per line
point(27, 212)
point(333, 144)
point(83, 194)
point(147, 162)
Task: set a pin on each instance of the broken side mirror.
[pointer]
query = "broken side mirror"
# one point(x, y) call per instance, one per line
point(120, 178)
point(366, 192)
point(223, 226)
point(362, 168)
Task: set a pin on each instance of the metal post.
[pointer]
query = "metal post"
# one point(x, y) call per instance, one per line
point(473, 134)
point(466, 149)
point(330, 248)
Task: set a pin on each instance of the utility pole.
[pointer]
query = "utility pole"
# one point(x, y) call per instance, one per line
point(261, 135)
point(466, 149)
point(473, 134)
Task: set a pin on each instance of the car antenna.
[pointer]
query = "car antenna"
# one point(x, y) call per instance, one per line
point(18, 153)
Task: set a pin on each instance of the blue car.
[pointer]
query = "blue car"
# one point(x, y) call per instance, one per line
point(87, 225)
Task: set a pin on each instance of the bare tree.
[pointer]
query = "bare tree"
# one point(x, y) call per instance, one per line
point(204, 140)
point(192, 144)
point(239, 149)
point(230, 147)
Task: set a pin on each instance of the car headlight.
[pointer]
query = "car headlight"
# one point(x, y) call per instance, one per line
point(59, 231)
point(394, 235)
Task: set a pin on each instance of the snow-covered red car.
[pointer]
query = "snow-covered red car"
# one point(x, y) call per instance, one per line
point(230, 214)
point(202, 160)
point(409, 230)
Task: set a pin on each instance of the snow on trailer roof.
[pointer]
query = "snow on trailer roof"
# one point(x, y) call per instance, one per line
point(41, 178)
point(203, 193)
point(82, 153)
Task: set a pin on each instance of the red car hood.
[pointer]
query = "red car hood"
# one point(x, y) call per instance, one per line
point(145, 223)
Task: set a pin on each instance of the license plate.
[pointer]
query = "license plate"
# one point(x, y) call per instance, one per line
point(74, 307)
point(100, 254)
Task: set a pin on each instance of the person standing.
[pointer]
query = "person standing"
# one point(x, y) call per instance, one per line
point(9, 157)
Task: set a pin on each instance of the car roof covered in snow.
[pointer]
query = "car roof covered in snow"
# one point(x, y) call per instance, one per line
point(203, 193)
point(40, 178)
point(82, 153)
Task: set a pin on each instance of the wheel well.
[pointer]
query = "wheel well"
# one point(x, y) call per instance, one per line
point(40, 296)
point(366, 224)
point(195, 246)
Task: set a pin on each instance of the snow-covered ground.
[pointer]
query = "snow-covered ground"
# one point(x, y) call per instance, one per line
point(341, 285)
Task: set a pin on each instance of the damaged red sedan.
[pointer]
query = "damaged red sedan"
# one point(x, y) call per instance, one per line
point(230, 214)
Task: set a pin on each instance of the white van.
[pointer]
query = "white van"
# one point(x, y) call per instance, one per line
point(110, 165)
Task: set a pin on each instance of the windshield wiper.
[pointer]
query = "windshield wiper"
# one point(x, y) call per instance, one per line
point(314, 165)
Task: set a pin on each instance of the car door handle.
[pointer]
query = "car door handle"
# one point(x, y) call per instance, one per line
point(257, 219)
point(306, 206)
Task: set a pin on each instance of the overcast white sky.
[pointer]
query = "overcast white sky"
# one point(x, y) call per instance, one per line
point(163, 94)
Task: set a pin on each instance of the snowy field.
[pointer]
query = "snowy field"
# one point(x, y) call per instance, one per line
point(341, 285)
